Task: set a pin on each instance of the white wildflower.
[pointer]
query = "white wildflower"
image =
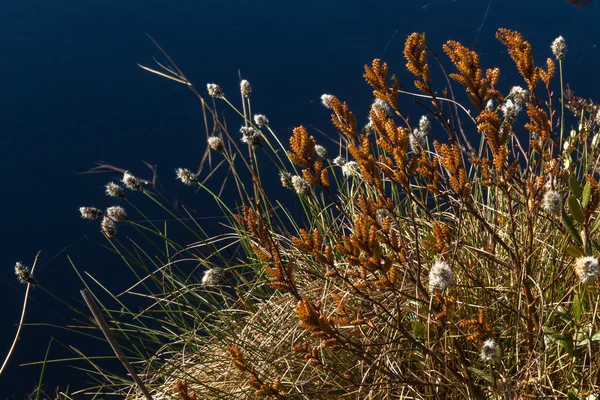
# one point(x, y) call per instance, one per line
point(215, 90)
point(245, 88)
point(24, 274)
point(489, 351)
point(114, 190)
point(186, 176)
point(321, 151)
point(108, 227)
point(216, 143)
point(301, 185)
point(131, 182)
point(440, 275)
point(552, 202)
point(117, 213)
point(559, 48)
point(213, 276)
point(90, 212)
point(261, 120)
point(326, 100)
point(587, 268)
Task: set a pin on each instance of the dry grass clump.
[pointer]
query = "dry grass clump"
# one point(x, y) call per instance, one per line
point(417, 268)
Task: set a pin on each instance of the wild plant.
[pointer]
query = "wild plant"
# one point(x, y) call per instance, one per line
point(414, 268)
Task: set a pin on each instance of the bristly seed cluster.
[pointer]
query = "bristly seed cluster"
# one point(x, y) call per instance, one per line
point(440, 275)
point(186, 176)
point(114, 190)
point(216, 144)
point(131, 182)
point(489, 351)
point(213, 276)
point(215, 90)
point(90, 212)
point(245, 88)
point(552, 202)
point(559, 48)
point(587, 268)
point(24, 274)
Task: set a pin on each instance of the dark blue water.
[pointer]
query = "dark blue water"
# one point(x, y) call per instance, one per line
point(71, 94)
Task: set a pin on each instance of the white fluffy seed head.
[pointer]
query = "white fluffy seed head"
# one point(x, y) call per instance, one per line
point(24, 274)
point(440, 275)
point(350, 168)
point(90, 212)
point(261, 120)
point(117, 213)
point(286, 180)
point(114, 190)
point(559, 48)
point(186, 176)
point(417, 140)
point(382, 107)
point(510, 110)
point(108, 227)
point(489, 106)
point(216, 143)
point(587, 268)
point(213, 276)
point(552, 202)
point(489, 351)
point(131, 182)
point(326, 100)
point(300, 185)
point(339, 161)
point(424, 125)
point(214, 90)
point(518, 94)
point(245, 88)
point(250, 135)
point(321, 151)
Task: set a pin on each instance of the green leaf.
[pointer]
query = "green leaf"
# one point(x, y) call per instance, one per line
point(482, 374)
point(571, 228)
point(575, 252)
point(586, 196)
point(575, 208)
point(575, 186)
point(596, 337)
point(576, 307)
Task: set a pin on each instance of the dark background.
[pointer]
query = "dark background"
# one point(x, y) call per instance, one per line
point(71, 94)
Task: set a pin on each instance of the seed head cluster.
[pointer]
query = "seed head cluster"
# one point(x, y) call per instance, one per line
point(350, 168)
point(552, 202)
point(321, 151)
point(24, 274)
point(216, 143)
point(286, 180)
point(108, 227)
point(90, 212)
point(186, 176)
point(116, 213)
point(261, 120)
point(131, 182)
point(440, 275)
point(300, 185)
point(489, 351)
point(510, 110)
point(114, 190)
point(326, 100)
point(250, 136)
point(245, 88)
point(559, 48)
point(215, 90)
point(587, 268)
point(213, 276)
